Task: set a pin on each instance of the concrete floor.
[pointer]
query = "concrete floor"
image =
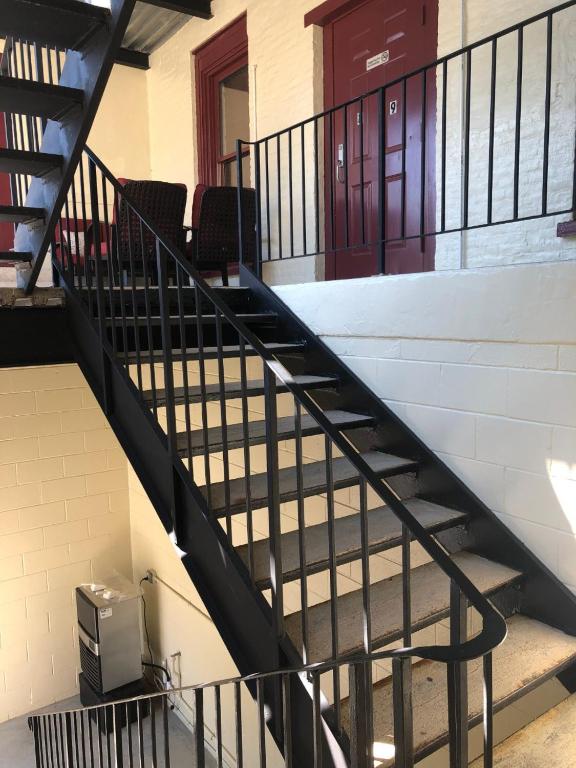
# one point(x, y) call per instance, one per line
point(17, 744)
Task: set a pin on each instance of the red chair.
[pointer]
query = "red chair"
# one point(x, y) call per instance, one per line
point(215, 238)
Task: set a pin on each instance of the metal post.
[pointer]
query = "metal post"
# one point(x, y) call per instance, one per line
point(360, 741)
point(458, 682)
point(240, 185)
point(402, 702)
point(381, 155)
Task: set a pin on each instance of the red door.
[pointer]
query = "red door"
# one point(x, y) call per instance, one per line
point(366, 47)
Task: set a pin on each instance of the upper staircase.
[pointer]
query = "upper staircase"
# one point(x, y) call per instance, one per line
point(57, 58)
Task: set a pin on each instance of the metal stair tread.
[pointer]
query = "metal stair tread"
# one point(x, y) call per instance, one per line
point(211, 353)
point(384, 532)
point(28, 163)
point(21, 213)
point(26, 97)
point(233, 390)
point(313, 480)
point(257, 434)
point(15, 256)
point(61, 23)
point(532, 653)
point(548, 740)
point(430, 588)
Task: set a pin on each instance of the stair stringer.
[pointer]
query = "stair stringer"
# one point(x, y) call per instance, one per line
point(239, 611)
point(544, 596)
point(88, 70)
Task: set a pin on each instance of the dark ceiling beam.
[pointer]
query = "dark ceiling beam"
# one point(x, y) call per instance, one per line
point(136, 59)
point(200, 8)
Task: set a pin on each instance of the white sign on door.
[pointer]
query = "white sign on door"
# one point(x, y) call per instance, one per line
point(377, 61)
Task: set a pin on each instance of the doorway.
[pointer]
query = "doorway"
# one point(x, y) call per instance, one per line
point(367, 45)
point(223, 106)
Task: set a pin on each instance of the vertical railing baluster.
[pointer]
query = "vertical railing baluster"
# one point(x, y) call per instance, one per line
point(140, 729)
point(345, 154)
point(406, 587)
point(333, 572)
point(303, 187)
point(147, 253)
point(423, 130)
point(104, 362)
point(403, 162)
point(267, 182)
point(287, 721)
point(51, 738)
point(317, 719)
point(360, 744)
point(218, 710)
point(153, 741)
point(316, 186)
point(126, 211)
point(330, 173)
point(492, 123)
point(276, 574)
point(117, 733)
point(402, 705)
point(128, 714)
point(488, 711)
point(458, 682)
point(362, 184)
point(166, 731)
point(279, 190)
point(381, 157)
point(547, 99)
point(99, 735)
point(238, 724)
point(203, 406)
point(261, 722)
point(223, 419)
point(199, 749)
point(365, 549)
point(467, 124)
point(185, 378)
point(109, 264)
point(518, 124)
point(240, 201)
point(168, 367)
point(246, 451)
point(301, 511)
point(258, 187)
point(290, 194)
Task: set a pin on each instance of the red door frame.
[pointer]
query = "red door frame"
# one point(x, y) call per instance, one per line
point(332, 10)
point(215, 59)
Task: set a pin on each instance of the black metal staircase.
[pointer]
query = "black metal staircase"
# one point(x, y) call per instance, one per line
point(236, 418)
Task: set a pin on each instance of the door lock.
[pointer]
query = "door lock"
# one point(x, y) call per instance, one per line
point(340, 163)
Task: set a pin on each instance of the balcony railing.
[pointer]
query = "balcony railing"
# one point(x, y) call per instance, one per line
point(388, 181)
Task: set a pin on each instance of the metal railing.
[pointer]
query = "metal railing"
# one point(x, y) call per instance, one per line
point(182, 347)
point(36, 63)
point(481, 137)
point(229, 723)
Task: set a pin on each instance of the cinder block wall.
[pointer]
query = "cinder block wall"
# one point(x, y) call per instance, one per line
point(64, 520)
point(482, 365)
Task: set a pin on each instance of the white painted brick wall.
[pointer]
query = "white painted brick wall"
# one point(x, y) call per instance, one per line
point(64, 520)
point(481, 365)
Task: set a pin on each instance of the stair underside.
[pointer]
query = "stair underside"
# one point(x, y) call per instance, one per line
point(548, 741)
point(24, 97)
point(256, 433)
point(28, 163)
point(430, 602)
point(233, 390)
point(63, 23)
point(531, 654)
point(19, 214)
point(344, 474)
point(212, 353)
point(384, 532)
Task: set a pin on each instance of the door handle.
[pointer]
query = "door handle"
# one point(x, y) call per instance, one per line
point(340, 164)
